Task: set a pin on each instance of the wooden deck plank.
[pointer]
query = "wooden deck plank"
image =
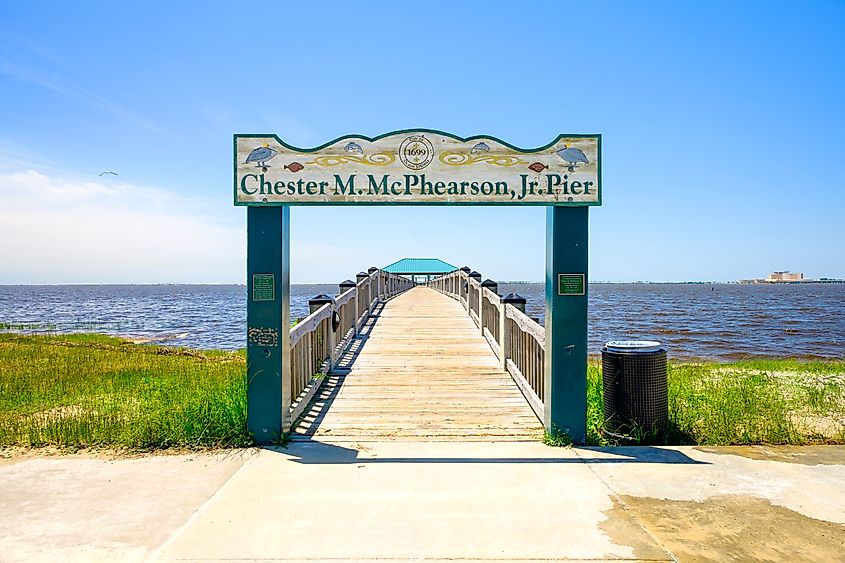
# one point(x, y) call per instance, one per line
point(421, 371)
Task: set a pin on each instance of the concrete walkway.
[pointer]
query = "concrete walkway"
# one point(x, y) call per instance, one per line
point(429, 500)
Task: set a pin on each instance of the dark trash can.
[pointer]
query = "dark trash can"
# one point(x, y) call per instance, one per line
point(636, 393)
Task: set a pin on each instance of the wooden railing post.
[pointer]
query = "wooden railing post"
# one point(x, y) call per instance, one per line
point(313, 305)
point(504, 337)
point(463, 286)
point(476, 277)
point(480, 302)
point(480, 311)
point(359, 304)
point(343, 287)
point(374, 289)
point(515, 300)
point(492, 286)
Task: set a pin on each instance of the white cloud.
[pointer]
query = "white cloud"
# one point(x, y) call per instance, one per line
point(56, 227)
point(59, 229)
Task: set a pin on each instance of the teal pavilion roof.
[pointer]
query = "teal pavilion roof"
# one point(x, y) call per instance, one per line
point(419, 266)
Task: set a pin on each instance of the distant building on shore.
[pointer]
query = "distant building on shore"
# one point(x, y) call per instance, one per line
point(785, 276)
point(790, 277)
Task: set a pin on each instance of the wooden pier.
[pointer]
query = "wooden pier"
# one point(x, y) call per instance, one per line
point(387, 359)
point(421, 370)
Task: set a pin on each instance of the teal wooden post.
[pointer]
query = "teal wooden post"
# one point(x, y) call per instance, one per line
point(566, 323)
point(268, 323)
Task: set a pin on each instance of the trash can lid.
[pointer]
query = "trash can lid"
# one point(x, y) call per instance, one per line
point(633, 346)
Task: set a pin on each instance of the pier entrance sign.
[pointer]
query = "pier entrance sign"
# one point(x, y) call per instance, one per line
point(415, 167)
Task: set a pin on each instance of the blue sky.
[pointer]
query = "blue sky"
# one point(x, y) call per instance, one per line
point(722, 128)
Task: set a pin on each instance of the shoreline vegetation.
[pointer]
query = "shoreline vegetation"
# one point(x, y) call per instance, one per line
point(89, 390)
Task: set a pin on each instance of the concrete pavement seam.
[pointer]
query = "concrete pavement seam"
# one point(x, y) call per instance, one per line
point(624, 506)
point(156, 555)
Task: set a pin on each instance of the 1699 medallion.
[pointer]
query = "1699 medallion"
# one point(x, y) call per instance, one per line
point(416, 152)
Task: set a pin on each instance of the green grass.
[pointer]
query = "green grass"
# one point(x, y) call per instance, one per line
point(85, 390)
point(556, 439)
point(765, 401)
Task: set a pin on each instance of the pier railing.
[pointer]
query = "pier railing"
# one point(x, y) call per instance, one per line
point(517, 340)
point(318, 340)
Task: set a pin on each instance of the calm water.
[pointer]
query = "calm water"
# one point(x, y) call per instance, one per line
point(722, 321)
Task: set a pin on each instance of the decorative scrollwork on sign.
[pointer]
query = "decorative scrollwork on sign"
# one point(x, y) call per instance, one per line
point(263, 336)
point(453, 158)
point(377, 159)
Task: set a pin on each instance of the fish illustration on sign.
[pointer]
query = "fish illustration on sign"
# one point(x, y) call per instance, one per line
point(260, 156)
point(572, 156)
point(294, 167)
point(352, 146)
point(482, 146)
point(538, 167)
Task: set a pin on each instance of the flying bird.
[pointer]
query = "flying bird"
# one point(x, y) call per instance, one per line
point(572, 156)
point(261, 155)
point(108, 172)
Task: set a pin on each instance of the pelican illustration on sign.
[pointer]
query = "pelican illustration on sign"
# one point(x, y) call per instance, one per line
point(573, 156)
point(260, 156)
